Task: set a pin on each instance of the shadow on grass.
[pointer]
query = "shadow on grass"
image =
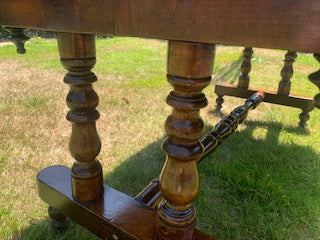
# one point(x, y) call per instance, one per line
point(42, 230)
point(138, 170)
point(230, 73)
point(260, 188)
point(251, 188)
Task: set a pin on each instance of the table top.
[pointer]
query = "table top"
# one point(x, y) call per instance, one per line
point(281, 24)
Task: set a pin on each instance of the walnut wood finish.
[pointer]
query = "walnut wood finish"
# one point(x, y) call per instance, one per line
point(282, 96)
point(293, 100)
point(210, 141)
point(150, 195)
point(189, 71)
point(244, 78)
point(315, 79)
point(77, 53)
point(18, 38)
point(58, 220)
point(229, 124)
point(219, 101)
point(286, 73)
point(262, 24)
point(102, 210)
point(245, 69)
point(114, 216)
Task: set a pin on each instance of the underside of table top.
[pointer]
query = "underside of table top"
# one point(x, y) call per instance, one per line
point(280, 24)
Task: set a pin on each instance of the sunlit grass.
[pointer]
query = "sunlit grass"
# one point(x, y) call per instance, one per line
point(261, 183)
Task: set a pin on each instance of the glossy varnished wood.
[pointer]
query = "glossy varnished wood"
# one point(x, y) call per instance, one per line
point(58, 220)
point(285, 24)
point(229, 124)
point(281, 97)
point(114, 216)
point(244, 78)
point(293, 100)
point(77, 53)
point(151, 194)
point(189, 71)
point(286, 73)
point(192, 27)
point(315, 79)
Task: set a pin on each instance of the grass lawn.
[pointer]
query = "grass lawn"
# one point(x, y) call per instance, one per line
point(261, 183)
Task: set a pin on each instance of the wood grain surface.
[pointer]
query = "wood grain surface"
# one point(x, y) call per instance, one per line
point(282, 24)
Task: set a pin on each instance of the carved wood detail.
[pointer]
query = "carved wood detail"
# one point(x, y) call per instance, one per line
point(229, 124)
point(315, 79)
point(150, 195)
point(189, 71)
point(245, 69)
point(286, 73)
point(77, 52)
point(18, 38)
point(219, 101)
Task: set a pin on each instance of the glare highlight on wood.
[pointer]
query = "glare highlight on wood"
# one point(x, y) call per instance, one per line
point(192, 28)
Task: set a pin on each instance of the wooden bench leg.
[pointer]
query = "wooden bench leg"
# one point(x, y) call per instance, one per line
point(77, 53)
point(304, 117)
point(219, 101)
point(189, 71)
point(58, 220)
point(244, 78)
point(315, 79)
point(286, 73)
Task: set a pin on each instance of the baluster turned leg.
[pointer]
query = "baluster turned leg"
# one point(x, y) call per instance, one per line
point(244, 78)
point(286, 73)
point(285, 84)
point(219, 101)
point(315, 79)
point(304, 117)
point(77, 53)
point(189, 71)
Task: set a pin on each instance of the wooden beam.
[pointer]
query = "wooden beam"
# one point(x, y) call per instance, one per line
point(292, 100)
point(281, 24)
point(115, 216)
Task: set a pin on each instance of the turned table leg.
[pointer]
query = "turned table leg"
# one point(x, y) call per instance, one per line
point(77, 53)
point(189, 71)
point(315, 79)
point(286, 73)
point(219, 102)
point(244, 78)
point(58, 220)
point(285, 84)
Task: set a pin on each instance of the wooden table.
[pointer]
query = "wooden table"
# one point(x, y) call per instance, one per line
point(193, 27)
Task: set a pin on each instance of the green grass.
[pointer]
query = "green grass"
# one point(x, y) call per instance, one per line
point(261, 183)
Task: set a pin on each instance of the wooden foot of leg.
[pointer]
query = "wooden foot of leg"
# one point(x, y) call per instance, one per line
point(219, 102)
point(304, 117)
point(58, 220)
